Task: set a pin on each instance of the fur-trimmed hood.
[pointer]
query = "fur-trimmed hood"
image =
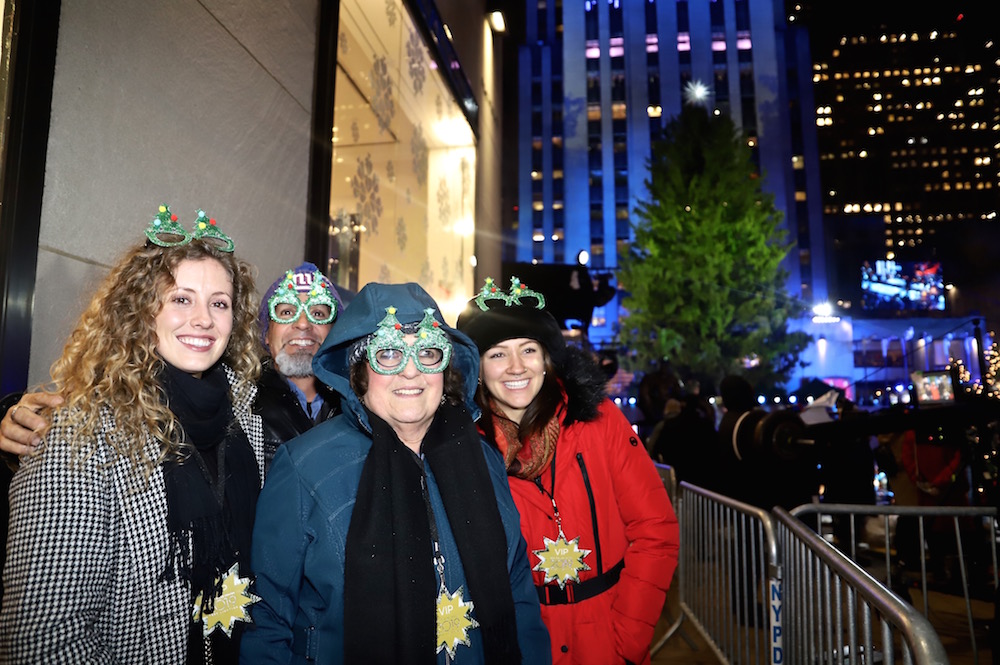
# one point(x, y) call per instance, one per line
point(584, 383)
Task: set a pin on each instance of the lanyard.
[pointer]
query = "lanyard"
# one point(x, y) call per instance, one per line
point(438, 555)
point(551, 494)
point(454, 619)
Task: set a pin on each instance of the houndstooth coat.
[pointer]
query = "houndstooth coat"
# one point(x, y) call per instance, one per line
point(86, 547)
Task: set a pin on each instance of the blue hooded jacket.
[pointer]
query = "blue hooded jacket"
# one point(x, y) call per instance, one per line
point(305, 509)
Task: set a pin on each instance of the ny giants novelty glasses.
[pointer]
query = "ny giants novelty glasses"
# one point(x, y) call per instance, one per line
point(320, 307)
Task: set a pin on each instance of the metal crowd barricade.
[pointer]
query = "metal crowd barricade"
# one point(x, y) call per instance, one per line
point(729, 577)
point(887, 568)
point(836, 612)
point(669, 479)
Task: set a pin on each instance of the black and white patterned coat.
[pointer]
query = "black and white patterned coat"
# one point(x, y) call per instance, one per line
point(87, 545)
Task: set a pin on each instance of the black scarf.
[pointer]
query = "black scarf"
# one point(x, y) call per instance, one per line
point(211, 494)
point(390, 585)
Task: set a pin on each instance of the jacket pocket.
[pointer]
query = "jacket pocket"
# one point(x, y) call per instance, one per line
point(304, 642)
point(593, 511)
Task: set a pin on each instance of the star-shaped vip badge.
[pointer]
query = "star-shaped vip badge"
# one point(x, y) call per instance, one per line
point(454, 621)
point(561, 560)
point(230, 606)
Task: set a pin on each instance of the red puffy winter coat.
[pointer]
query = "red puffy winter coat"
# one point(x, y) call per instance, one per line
point(610, 496)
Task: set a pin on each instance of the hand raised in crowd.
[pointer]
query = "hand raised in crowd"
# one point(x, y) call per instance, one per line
point(22, 428)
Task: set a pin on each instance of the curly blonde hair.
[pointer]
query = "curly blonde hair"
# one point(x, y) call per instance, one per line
point(110, 359)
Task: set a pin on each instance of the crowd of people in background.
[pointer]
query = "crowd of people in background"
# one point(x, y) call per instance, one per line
point(914, 469)
point(322, 481)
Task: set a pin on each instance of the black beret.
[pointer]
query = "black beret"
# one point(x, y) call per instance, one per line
point(491, 319)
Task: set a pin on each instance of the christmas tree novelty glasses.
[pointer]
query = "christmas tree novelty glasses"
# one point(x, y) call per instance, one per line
point(319, 306)
point(164, 231)
point(388, 352)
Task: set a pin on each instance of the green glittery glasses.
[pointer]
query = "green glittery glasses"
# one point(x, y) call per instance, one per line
point(388, 352)
point(320, 307)
point(166, 232)
point(518, 290)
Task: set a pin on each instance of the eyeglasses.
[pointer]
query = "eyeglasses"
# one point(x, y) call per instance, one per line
point(428, 359)
point(285, 305)
point(317, 310)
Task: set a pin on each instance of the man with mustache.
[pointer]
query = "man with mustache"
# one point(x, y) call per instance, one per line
point(296, 314)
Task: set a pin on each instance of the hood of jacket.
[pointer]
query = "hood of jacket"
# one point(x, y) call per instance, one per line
point(362, 316)
point(584, 383)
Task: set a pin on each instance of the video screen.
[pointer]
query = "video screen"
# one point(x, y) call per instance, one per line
point(902, 286)
point(933, 388)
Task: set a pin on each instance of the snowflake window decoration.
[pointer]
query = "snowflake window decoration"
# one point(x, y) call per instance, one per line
point(366, 193)
point(401, 234)
point(383, 105)
point(444, 202)
point(419, 151)
point(415, 60)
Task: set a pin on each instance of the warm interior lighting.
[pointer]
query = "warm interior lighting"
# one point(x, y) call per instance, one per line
point(465, 227)
point(454, 132)
point(497, 22)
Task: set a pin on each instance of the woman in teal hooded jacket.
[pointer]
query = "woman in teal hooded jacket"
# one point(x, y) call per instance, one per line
point(388, 534)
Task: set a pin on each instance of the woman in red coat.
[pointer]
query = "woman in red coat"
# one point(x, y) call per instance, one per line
point(602, 536)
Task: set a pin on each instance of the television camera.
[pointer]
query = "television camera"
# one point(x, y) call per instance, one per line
point(941, 412)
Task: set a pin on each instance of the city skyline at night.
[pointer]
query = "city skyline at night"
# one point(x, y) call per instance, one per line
point(907, 112)
point(875, 128)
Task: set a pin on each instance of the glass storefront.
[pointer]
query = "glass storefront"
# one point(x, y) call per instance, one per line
point(402, 198)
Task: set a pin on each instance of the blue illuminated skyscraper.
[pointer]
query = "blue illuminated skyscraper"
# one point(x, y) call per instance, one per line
point(598, 81)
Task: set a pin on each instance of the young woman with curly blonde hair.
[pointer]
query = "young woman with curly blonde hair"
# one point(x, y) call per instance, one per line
point(139, 504)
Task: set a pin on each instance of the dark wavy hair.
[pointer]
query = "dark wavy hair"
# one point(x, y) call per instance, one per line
point(542, 409)
point(578, 375)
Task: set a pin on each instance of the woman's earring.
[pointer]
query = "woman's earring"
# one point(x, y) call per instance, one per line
point(444, 398)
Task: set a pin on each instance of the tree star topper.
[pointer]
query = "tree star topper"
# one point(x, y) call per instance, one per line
point(230, 606)
point(696, 93)
point(454, 621)
point(561, 560)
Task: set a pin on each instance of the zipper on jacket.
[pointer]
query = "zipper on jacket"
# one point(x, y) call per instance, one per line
point(593, 511)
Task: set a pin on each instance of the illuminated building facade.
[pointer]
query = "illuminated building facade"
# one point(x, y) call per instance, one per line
point(907, 116)
point(908, 127)
point(601, 78)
